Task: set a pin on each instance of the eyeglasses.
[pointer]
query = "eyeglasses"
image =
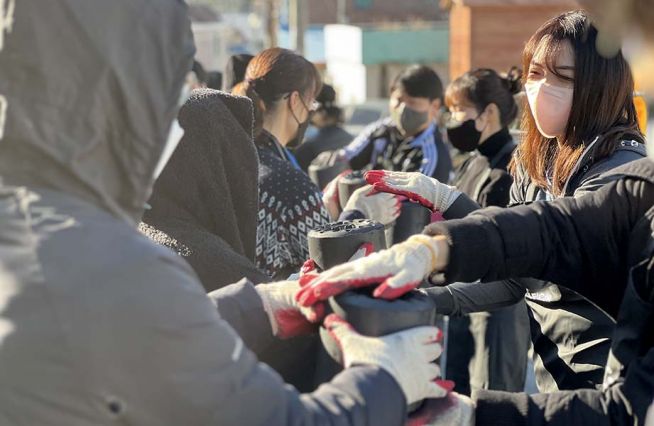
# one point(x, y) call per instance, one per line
point(312, 107)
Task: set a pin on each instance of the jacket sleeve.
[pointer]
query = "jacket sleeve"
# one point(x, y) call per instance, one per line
point(495, 193)
point(568, 241)
point(608, 407)
point(461, 207)
point(464, 298)
point(240, 305)
point(204, 374)
point(624, 401)
point(359, 151)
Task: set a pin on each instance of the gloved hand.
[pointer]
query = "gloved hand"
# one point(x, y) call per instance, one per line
point(330, 196)
point(379, 206)
point(399, 269)
point(316, 312)
point(287, 318)
point(417, 187)
point(454, 409)
point(406, 355)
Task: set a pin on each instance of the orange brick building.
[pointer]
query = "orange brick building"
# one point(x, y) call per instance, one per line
point(492, 33)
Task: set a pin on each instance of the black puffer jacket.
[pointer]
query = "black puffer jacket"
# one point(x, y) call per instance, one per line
point(570, 334)
point(599, 245)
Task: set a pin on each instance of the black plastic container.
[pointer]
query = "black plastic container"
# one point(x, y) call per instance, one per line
point(378, 317)
point(412, 220)
point(335, 243)
point(348, 184)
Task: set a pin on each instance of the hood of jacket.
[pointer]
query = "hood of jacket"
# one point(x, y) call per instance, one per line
point(209, 190)
point(84, 115)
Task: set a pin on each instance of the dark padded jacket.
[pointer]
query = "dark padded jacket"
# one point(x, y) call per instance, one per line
point(599, 245)
point(570, 334)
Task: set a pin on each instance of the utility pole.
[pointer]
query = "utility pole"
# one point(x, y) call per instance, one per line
point(341, 11)
point(297, 20)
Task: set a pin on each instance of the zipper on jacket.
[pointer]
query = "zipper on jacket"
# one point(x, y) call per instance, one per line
point(575, 169)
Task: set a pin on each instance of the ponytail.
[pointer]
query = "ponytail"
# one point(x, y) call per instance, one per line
point(247, 88)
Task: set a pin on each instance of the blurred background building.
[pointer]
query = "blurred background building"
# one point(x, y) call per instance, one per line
point(360, 45)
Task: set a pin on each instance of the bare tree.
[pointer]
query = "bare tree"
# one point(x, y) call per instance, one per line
point(271, 13)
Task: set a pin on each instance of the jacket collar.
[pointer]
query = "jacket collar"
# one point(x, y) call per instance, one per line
point(586, 160)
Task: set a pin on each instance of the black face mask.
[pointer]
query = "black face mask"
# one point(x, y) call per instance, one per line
point(465, 136)
point(301, 129)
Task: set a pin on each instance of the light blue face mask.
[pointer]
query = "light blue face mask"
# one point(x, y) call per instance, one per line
point(312, 132)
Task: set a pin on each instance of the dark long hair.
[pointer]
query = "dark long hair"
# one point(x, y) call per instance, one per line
point(274, 73)
point(602, 103)
point(482, 87)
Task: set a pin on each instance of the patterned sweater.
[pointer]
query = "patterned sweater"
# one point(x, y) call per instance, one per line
point(290, 205)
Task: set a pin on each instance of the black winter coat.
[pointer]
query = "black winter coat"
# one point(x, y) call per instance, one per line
point(569, 332)
point(599, 245)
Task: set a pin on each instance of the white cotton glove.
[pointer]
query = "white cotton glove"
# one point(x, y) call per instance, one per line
point(455, 409)
point(378, 206)
point(287, 318)
point(396, 271)
point(407, 356)
point(417, 187)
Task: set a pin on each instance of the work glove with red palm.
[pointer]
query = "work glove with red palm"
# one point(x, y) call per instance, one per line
point(415, 186)
point(381, 207)
point(406, 355)
point(395, 271)
point(288, 318)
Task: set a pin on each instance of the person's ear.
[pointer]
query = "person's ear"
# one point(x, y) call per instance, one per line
point(295, 100)
point(295, 103)
point(487, 116)
point(435, 109)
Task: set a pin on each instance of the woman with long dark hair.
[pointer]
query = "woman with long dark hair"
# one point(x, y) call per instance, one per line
point(581, 122)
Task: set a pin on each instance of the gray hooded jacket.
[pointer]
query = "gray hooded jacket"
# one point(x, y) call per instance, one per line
point(98, 325)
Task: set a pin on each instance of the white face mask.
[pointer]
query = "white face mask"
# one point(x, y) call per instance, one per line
point(550, 106)
point(175, 134)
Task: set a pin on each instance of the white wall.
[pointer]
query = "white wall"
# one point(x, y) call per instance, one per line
point(343, 56)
